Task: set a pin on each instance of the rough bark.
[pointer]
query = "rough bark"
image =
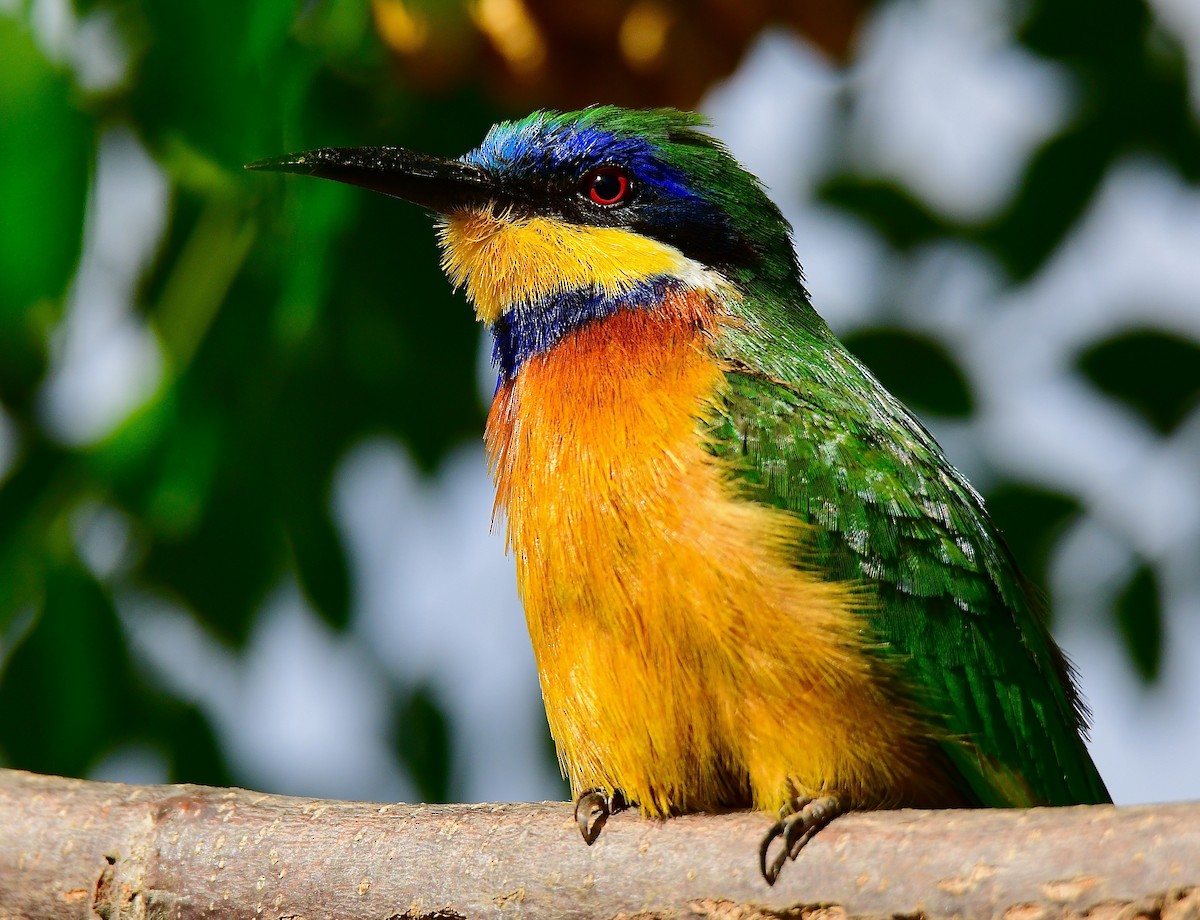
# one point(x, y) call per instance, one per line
point(70, 848)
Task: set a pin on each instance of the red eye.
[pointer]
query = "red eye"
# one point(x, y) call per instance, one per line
point(607, 185)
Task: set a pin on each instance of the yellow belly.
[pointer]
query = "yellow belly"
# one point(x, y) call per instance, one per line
point(685, 660)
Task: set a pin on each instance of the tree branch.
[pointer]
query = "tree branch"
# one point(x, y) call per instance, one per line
point(71, 848)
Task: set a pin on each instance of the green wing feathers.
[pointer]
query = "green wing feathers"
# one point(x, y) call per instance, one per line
point(812, 432)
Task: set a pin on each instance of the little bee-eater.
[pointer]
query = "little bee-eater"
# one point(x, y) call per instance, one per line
point(750, 575)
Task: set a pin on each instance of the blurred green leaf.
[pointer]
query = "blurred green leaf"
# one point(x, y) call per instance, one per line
point(313, 216)
point(46, 153)
point(406, 344)
point(33, 501)
point(1153, 372)
point(66, 694)
point(216, 76)
point(916, 369)
point(1031, 520)
point(902, 220)
point(186, 736)
point(1132, 100)
point(200, 278)
point(1140, 620)
point(319, 557)
point(224, 567)
point(340, 28)
point(1058, 184)
point(422, 739)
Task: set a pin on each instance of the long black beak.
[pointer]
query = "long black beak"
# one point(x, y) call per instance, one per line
point(433, 183)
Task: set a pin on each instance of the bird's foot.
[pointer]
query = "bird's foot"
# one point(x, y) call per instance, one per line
point(799, 821)
point(592, 810)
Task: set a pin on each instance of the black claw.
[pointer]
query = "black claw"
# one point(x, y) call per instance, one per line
point(770, 871)
point(813, 817)
point(805, 818)
point(603, 805)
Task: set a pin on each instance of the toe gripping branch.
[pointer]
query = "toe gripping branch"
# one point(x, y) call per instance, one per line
point(799, 821)
point(592, 810)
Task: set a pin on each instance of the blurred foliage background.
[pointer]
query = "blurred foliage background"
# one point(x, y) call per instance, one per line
point(181, 383)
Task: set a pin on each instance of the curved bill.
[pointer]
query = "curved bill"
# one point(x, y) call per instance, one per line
point(432, 182)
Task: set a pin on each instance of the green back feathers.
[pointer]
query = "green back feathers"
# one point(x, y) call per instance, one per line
point(815, 434)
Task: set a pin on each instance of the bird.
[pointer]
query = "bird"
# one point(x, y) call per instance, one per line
point(750, 575)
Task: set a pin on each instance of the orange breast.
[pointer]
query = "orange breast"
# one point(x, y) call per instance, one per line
point(685, 659)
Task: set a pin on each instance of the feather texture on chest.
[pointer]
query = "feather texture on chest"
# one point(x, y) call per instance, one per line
point(685, 658)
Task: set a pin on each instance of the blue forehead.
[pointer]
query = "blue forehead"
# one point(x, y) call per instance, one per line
point(541, 148)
